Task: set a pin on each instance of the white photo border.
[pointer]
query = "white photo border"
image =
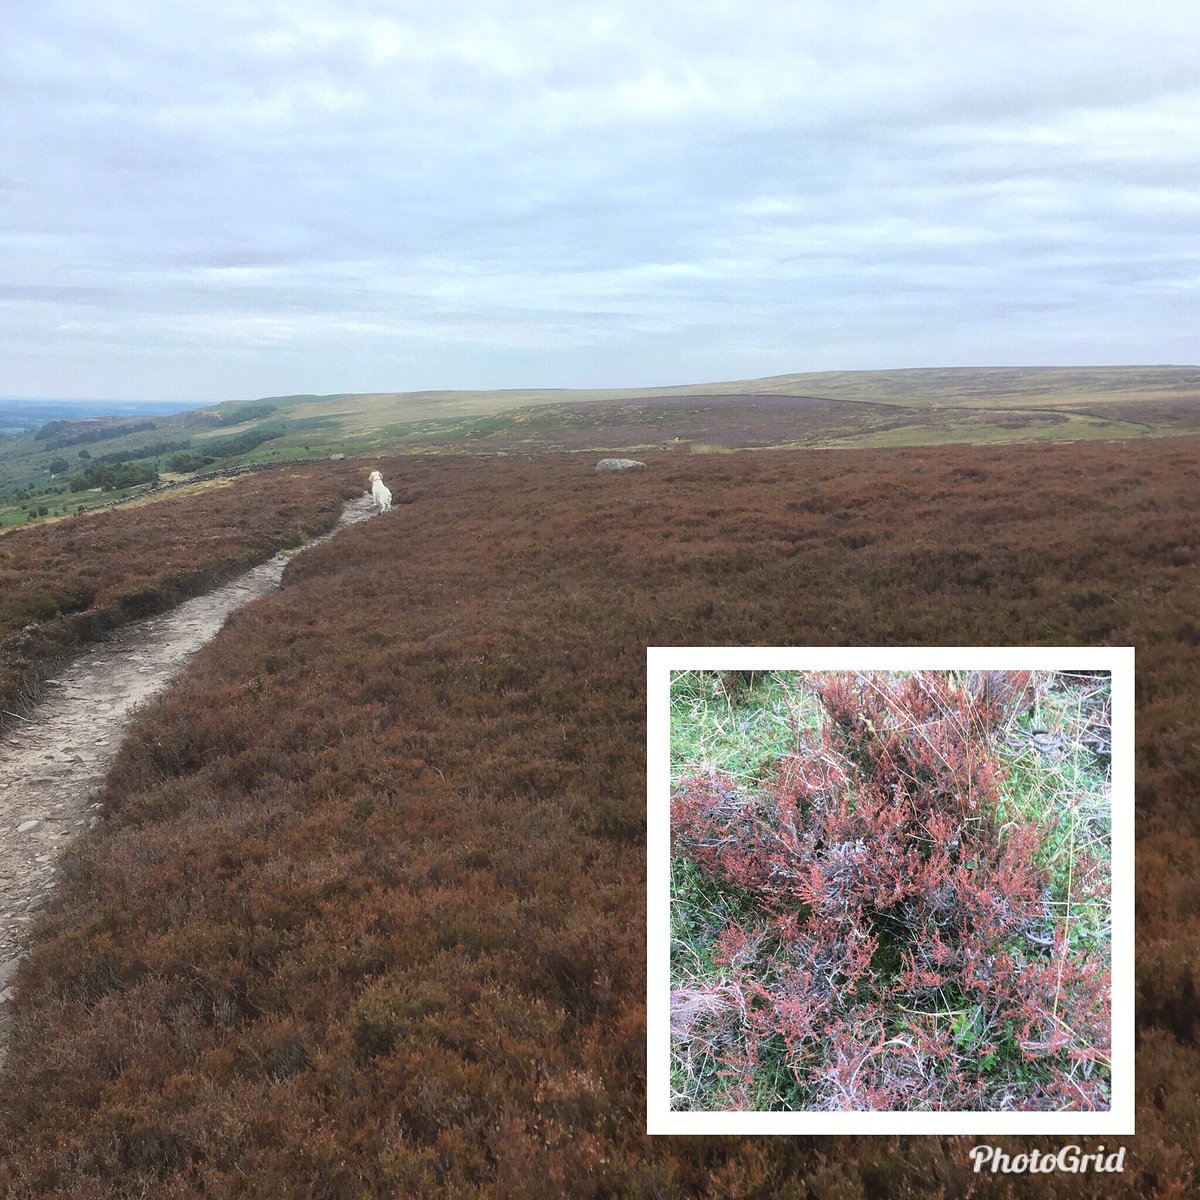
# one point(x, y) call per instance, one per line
point(661, 661)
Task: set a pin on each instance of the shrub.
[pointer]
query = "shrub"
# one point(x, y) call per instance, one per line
point(183, 464)
point(77, 579)
point(898, 947)
point(110, 476)
point(75, 433)
point(417, 775)
point(242, 443)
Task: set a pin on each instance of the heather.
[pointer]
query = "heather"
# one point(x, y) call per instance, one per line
point(365, 914)
point(894, 918)
point(66, 582)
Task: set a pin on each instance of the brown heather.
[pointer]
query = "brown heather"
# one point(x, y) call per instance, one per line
point(67, 582)
point(366, 914)
point(877, 876)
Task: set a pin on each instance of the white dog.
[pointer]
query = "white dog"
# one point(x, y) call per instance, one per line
point(379, 492)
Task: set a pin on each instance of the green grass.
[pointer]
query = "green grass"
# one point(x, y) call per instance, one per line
point(700, 909)
point(973, 430)
point(734, 724)
point(1058, 780)
point(738, 723)
point(63, 504)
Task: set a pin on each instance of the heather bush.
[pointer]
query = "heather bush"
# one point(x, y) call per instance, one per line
point(893, 936)
point(69, 582)
point(365, 913)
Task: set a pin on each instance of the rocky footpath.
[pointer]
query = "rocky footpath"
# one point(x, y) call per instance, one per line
point(53, 762)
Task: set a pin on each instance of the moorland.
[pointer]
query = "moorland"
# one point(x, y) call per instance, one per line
point(365, 913)
point(63, 583)
point(65, 466)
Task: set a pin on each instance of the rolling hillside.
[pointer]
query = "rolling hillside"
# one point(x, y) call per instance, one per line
point(68, 465)
point(851, 408)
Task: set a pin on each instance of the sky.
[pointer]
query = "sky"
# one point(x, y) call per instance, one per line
point(224, 200)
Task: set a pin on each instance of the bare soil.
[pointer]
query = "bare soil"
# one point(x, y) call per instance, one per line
point(53, 764)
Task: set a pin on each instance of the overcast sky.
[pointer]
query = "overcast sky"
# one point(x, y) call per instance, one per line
point(222, 200)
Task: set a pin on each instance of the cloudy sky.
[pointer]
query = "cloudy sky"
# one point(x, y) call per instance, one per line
point(236, 198)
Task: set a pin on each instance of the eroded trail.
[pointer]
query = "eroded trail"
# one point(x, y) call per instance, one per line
point(53, 763)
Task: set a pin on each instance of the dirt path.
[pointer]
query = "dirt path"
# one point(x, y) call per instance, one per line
point(53, 764)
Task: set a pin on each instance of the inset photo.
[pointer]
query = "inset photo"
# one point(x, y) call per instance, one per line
point(890, 891)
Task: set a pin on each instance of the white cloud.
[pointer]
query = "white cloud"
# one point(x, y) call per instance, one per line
point(487, 192)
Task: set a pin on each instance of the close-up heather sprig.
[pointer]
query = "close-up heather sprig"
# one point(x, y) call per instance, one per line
point(900, 915)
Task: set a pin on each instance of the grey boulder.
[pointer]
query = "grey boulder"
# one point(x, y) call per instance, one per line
point(618, 464)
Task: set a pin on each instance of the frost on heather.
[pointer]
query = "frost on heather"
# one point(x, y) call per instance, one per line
point(897, 946)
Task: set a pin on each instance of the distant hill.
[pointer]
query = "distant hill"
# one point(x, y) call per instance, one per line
point(847, 408)
point(55, 467)
point(17, 415)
